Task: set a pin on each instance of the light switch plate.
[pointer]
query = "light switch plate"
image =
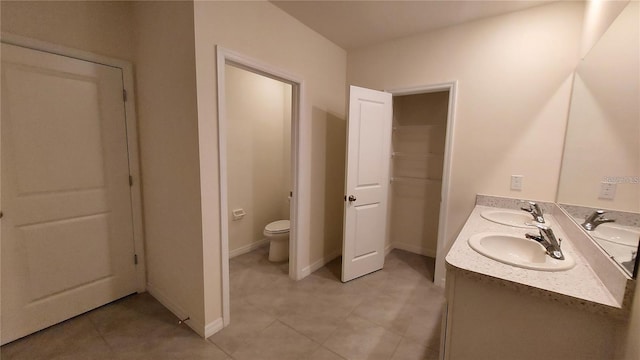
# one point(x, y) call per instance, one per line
point(607, 190)
point(516, 182)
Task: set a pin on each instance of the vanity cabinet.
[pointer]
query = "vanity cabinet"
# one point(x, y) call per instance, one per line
point(486, 320)
point(500, 311)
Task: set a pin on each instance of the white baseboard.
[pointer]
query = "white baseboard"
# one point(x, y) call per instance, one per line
point(248, 248)
point(213, 327)
point(320, 263)
point(414, 249)
point(177, 310)
point(387, 249)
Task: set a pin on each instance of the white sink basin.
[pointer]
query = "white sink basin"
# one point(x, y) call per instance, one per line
point(622, 235)
point(515, 218)
point(619, 253)
point(518, 251)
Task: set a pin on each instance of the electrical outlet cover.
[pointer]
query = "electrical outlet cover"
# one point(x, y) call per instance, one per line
point(607, 191)
point(516, 182)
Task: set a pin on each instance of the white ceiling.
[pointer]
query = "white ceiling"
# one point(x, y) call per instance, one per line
point(356, 23)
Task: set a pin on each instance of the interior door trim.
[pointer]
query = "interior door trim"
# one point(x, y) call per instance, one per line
point(300, 151)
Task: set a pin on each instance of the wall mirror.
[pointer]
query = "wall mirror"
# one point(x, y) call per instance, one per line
point(601, 161)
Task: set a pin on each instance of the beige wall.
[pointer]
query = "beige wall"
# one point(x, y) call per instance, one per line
point(514, 81)
point(598, 15)
point(168, 122)
point(604, 127)
point(257, 118)
point(264, 32)
point(103, 28)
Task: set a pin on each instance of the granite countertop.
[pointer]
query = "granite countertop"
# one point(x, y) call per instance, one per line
point(579, 286)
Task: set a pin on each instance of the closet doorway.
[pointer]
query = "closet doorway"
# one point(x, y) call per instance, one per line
point(421, 151)
point(258, 158)
point(410, 213)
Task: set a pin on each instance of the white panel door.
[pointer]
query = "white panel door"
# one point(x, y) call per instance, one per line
point(367, 183)
point(67, 233)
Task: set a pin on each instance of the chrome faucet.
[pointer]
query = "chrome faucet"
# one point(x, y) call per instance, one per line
point(594, 219)
point(548, 240)
point(535, 211)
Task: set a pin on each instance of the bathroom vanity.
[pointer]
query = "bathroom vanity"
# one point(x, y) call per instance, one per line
point(497, 310)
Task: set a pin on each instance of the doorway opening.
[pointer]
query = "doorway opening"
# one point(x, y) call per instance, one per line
point(422, 143)
point(258, 139)
point(418, 144)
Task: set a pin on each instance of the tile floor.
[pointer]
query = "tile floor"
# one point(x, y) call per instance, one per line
point(394, 313)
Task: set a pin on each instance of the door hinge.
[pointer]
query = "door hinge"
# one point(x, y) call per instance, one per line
point(130, 180)
point(124, 95)
point(135, 259)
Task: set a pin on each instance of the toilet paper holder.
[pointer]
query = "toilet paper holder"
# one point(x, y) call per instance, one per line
point(238, 214)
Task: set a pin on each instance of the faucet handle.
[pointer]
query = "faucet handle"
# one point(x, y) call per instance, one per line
point(601, 217)
point(542, 227)
point(594, 219)
point(534, 237)
point(530, 208)
point(547, 232)
point(596, 214)
point(535, 211)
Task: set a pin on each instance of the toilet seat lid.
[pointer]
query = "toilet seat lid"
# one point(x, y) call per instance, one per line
point(277, 226)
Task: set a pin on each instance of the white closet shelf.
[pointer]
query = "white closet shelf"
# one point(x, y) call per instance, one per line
point(407, 179)
point(414, 156)
point(412, 127)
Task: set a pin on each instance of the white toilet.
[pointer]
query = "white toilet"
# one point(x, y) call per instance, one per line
point(278, 234)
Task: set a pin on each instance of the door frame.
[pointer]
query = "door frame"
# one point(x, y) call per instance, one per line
point(299, 218)
point(131, 128)
point(443, 221)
